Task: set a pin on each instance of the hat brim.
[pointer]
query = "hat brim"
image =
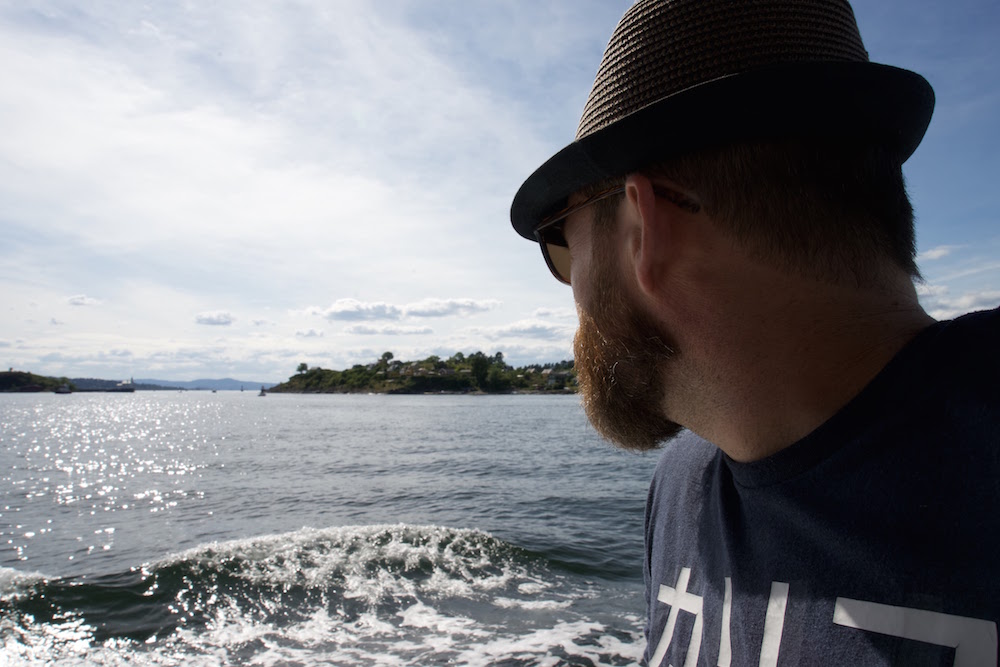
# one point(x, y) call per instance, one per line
point(864, 102)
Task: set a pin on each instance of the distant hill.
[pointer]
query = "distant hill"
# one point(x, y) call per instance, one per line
point(19, 381)
point(225, 384)
point(94, 384)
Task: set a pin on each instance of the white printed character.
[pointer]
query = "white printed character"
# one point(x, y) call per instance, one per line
point(974, 640)
point(679, 599)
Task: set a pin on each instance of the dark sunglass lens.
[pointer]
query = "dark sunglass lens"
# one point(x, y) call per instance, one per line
point(559, 260)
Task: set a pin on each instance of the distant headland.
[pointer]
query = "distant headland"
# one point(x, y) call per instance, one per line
point(12, 381)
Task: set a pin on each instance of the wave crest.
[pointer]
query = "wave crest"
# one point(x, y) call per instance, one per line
point(402, 593)
point(353, 555)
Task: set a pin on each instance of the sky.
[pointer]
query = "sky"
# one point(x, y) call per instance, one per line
point(228, 189)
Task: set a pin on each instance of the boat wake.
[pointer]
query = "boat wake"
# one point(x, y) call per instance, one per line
point(363, 595)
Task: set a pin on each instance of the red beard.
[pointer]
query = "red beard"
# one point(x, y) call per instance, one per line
point(621, 359)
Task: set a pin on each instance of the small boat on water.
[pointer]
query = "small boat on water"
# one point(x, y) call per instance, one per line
point(63, 389)
point(262, 392)
point(122, 387)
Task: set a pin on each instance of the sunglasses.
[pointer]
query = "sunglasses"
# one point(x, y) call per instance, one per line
point(549, 233)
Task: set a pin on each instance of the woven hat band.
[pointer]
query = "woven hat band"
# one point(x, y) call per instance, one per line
point(662, 47)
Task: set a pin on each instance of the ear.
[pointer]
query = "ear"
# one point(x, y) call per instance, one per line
point(654, 220)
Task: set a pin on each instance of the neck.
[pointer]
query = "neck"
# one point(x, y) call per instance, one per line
point(778, 356)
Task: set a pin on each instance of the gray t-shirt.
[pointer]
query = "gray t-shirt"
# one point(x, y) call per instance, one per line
point(871, 541)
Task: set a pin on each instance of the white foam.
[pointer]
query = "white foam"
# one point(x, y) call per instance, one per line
point(387, 595)
point(410, 561)
point(537, 646)
point(29, 643)
point(531, 605)
point(424, 617)
point(15, 584)
point(423, 636)
point(532, 587)
point(370, 625)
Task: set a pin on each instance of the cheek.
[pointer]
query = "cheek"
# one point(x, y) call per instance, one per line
point(580, 251)
point(580, 278)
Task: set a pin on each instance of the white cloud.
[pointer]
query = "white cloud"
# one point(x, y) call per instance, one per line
point(558, 313)
point(212, 160)
point(354, 310)
point(449, 307)
point(525, 355)
point(940, 305)
point(215, 318)
point(366, 330)
point(309, 333)
point(83, 300)
point(967, 303)
point(924, 289)
point(528, 329)
point(937, 253)
point(56, 323)
point(973, 269)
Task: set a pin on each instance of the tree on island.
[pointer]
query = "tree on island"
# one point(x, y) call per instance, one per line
point(303, 367)
point(480, 368)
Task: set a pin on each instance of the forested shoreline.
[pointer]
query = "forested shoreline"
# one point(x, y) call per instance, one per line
point(477, 372)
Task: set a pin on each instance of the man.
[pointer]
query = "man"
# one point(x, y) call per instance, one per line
point(733, 221)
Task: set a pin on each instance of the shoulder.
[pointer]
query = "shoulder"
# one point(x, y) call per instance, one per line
point(679, 498)
point(682, 474)
point(677, 492)
point(969, 338)
point(969, 333)
point(961, 357)
point(685, 456)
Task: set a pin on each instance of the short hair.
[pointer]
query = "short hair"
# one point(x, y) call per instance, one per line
point(833, 211)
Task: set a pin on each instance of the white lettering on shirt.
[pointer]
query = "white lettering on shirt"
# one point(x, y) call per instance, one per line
point(678, 598)
point(725, 641)
point(774, 624)
point(974, 640)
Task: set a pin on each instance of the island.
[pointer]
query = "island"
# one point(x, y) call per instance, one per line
point(474, 373)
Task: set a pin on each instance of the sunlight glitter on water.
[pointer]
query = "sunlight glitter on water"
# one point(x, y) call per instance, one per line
point(95, 485)
point(88, 458)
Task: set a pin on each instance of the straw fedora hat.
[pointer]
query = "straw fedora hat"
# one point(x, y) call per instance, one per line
point(678, 75)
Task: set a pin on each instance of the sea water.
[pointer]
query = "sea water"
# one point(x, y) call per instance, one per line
point(210, 529)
